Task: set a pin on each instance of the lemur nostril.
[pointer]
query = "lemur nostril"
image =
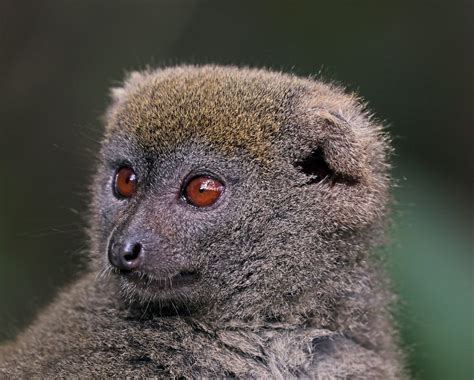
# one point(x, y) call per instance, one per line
point(133, 253)
point(126, 256)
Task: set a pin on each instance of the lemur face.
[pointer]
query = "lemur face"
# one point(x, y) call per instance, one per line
point(162, 215)
point(222, 186)
point(182, 159)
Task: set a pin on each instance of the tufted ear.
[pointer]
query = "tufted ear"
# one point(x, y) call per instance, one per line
point(131, 80)
point(339, 145)
point(331, 136)
point(325, 144)
point(118, 94)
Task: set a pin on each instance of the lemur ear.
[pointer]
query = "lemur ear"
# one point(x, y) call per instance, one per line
point(132, 79)
point(331, 136)
point(118, 94)
point(323, 144)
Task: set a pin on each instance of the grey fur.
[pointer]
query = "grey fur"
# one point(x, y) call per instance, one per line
point(288, 285)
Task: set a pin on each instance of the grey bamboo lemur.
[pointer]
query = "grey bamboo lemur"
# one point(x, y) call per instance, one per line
point(234, 213)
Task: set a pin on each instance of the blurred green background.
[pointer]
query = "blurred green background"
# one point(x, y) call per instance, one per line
point(413, 62)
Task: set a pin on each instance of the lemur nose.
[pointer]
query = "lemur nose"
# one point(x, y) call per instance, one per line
point(126, 256)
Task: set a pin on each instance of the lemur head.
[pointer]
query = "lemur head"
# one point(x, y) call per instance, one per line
point(238, 190)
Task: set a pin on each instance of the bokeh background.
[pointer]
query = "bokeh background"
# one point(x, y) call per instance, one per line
point(412, 61)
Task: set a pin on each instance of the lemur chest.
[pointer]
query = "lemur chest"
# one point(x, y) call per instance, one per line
point(191, 350)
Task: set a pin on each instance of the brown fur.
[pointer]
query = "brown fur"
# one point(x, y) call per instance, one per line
point(228, 107)
point(288, 285)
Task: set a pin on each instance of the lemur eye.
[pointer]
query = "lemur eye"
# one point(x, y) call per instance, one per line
point(125, 182)
point(203, 191)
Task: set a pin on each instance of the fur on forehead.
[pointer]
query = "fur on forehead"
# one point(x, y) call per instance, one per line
point(263, 112)
point(226, 107)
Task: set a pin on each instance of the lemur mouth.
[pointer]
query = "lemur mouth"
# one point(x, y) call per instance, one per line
point(179, 280)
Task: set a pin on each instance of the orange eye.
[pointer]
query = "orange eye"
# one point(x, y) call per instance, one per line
point(125, 182)
point(203, 191)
